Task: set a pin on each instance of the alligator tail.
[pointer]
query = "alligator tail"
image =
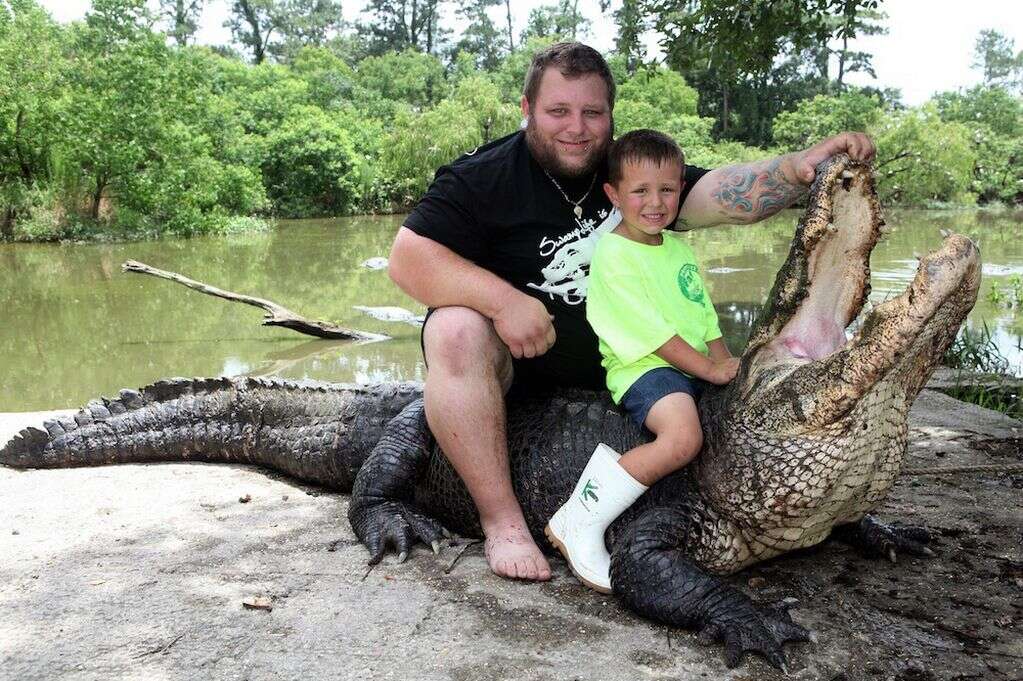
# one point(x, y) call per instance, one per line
point(315, 432)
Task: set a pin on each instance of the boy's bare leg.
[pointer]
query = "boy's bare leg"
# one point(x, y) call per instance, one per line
point(676, 423)
point(469, 372)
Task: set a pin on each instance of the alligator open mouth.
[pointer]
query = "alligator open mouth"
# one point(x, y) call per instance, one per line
point(823, 285)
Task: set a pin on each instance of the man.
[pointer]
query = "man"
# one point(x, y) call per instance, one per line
point(499, 249)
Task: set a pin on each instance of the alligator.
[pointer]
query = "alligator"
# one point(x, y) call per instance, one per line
point(804, 443)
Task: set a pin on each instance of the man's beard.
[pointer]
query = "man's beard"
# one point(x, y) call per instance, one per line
point(546, 154)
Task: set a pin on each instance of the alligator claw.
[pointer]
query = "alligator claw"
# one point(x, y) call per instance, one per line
point(763, 629)
point(381, 525)
point(874, 538)
point(435, 545)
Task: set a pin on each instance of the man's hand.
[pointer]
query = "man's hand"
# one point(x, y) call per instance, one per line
point(858, 145)
point(524, 325)
point(723, 370)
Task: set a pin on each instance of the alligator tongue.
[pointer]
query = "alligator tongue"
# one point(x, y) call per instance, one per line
point(826, 278)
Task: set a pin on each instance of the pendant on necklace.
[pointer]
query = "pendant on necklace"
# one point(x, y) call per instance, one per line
point(578, 210)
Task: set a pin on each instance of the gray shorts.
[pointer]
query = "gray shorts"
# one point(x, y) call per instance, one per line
point(652, 386)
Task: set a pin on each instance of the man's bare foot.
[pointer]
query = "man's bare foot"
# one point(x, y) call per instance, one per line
point(512, 553)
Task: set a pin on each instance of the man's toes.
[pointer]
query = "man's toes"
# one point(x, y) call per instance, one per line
point(503, 568)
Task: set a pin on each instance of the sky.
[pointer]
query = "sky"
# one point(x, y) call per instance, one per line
point(928, 49)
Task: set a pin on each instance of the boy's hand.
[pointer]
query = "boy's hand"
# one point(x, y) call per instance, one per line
point(723, 370)
point(524, 325)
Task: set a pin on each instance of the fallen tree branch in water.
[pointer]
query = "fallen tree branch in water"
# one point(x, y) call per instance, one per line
point(276, 315)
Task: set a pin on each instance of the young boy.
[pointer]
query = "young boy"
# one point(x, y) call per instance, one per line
point(659, 339)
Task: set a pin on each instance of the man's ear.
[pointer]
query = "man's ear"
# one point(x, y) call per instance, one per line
point(525, 106)
point(611, 192)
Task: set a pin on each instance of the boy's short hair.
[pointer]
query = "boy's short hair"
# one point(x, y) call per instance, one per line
point(572, 60)
point(642, 145)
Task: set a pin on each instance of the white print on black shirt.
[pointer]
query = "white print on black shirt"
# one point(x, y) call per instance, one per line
point(567, 274)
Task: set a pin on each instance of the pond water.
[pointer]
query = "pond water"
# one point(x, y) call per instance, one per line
point(73, 326)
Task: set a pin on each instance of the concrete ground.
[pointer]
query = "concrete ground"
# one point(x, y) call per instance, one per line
point(143, 572)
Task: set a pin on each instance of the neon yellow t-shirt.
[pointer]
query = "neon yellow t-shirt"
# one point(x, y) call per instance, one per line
point(639, 296)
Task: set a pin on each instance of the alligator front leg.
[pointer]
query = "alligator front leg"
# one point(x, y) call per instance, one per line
point(873, 538)
point(652, 574)
point(381, 510)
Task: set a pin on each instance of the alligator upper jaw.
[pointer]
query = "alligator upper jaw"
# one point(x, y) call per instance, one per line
point(822, 287)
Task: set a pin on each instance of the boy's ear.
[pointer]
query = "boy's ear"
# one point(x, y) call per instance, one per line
point(611, 192)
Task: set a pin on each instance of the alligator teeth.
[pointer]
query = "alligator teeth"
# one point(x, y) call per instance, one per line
point(885, 229)
point(946, 233)
point(832, 229)
point(847, 174)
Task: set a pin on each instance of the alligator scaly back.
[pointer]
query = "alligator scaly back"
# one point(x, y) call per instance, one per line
point(316, 432)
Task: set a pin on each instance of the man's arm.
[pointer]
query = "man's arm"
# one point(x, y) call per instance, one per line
point(750, 192)
point(438, 277)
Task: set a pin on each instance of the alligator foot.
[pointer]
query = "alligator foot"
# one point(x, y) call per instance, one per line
point(874, 538)
point(652, 575)
point(397, 525)
point(381, 511)
point(752, 627)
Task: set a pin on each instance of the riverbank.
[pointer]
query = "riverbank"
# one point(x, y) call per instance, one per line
point(145, 571)
point(46, 230)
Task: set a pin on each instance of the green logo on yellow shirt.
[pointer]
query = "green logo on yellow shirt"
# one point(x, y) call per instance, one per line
point(689, 283)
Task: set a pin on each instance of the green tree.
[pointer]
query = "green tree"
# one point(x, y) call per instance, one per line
point(508, 24)
point(182, 17)
point(922, 159)
point(331, 81)
point(32, 77)
point(995, 118)
point(411, 77)
point(992, 106)
point(279, 28)
point(252, 24)
point(403, 24)
point(117, 99)
point(735, 43)
point(562, 19)
point(309, 165)
point(309, 23)
point(824, 115)
point(994, 54)
point(481, 38)
point(749, 61)
point(662, 88)
point(854, 18)
point(631, 25)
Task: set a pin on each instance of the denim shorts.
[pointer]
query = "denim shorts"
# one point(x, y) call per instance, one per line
point(652, 386)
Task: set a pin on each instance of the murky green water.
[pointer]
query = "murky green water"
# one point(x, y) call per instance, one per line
point(73, 326)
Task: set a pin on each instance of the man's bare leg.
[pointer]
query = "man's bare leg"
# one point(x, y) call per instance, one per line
point(469, 372)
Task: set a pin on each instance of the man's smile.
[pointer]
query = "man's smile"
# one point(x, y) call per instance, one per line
point(581, 145)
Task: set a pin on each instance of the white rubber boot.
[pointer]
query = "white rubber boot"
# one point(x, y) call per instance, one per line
point(603, 492)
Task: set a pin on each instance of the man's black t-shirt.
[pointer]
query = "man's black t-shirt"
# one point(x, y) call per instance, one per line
point(496, 207)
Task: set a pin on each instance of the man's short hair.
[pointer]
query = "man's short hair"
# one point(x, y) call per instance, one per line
point(572, 60)
point(642, 145)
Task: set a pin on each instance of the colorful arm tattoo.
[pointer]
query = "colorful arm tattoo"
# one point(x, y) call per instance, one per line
point(755, 191)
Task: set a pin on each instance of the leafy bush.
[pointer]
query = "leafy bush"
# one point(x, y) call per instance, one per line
point(310, 166)
point(922, 159)
point(823, 116)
